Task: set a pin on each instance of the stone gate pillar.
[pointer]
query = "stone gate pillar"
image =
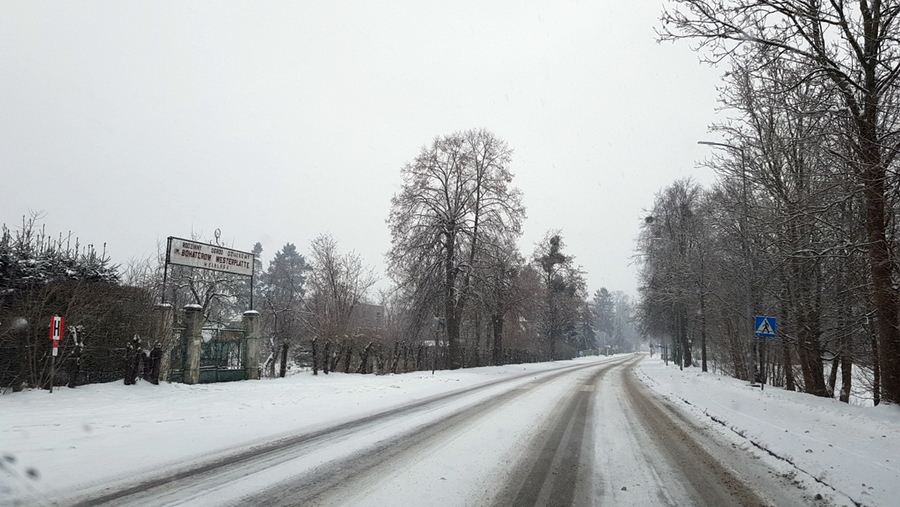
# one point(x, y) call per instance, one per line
point(164, 318)
point(250, 354)
point(193, 337)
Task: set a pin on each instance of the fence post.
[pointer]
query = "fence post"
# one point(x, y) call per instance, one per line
point(193, 337)
point(250, 354)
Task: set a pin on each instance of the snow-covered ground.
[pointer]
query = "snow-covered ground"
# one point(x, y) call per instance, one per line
point(852, 449)
point(76, 439)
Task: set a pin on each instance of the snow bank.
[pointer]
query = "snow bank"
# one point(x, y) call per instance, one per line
point(852, 449)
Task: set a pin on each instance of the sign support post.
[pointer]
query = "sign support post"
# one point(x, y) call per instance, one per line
point(765, 328)
point(57, 324)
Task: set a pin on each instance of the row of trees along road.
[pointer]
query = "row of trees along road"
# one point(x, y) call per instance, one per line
point(463, 294)
point(802, 224)
point(457, 269)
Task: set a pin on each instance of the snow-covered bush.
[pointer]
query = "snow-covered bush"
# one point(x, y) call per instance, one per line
point(42, 276)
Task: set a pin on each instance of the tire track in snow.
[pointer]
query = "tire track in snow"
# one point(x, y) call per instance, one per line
point(556, 472)
point(327, 486)
point(189, 482)
point(560, 468)
point(711, 482)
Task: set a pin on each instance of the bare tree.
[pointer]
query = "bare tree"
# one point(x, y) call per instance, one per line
point(338, 284)
point(670, 269)
point(849, 49)
point(455, 198)
point(785, 147)
point(497, 292)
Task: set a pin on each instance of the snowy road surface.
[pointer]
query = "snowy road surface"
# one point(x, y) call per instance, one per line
point(570, 433)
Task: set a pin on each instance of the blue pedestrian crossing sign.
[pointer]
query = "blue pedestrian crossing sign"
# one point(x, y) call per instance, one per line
point(765, 326)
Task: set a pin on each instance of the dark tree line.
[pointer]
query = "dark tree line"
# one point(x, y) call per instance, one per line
point(803, 222)
point(42, 276)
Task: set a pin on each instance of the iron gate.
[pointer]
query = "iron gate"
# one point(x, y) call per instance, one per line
point(221, 356)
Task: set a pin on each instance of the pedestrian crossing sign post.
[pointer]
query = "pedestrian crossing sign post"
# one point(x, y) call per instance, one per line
point(765, 327)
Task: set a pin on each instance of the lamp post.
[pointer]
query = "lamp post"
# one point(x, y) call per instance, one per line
point(745, 248)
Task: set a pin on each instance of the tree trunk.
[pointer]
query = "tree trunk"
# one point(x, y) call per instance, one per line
point(846, 376)
point(876, 371)
point(335, 358)
point(270, 361)
point(379, 360)
point(788, 365)
point(686, 358)
point(703, 333)
point(155, 365)
point(395, 358)
point(452, 301)
point(284, 355)
point(453, 349)
point(737, 351)
point(786, 356)
point(73, 367)
point(832, 376)
point(846, 343)
point(364, 359)
point(809, 351)
point(873, 175)
point(315, 359)
point(886, 307)
point(497, 348)
point(348, 357)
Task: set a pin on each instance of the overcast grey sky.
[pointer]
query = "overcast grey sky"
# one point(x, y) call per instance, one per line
point(127, 122)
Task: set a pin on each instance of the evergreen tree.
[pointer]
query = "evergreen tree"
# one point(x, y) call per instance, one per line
point(282, 287)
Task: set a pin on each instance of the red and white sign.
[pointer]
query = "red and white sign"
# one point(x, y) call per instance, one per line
point(57, 325)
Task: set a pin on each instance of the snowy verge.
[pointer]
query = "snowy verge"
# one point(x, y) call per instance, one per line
point(853, 451)
point(99, 435)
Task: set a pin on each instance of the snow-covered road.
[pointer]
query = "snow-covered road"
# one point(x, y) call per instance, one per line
point(584, 432)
